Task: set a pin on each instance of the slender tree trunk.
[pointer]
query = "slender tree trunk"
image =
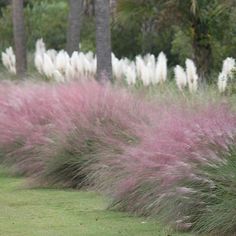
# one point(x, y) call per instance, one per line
point(74, 25)
point(19, 36)
point(203, 60)
point(103, 40)
point(202, 50)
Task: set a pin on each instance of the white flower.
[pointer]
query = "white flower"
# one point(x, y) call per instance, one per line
point(146, 75)
point(9, 60)
point(40, 46)
point(52, 53)
point(228, 66)
point(226, 73)
point(222, 82)
point(130, 74)
point(180, 77)
point(192, 76)
point(58, 76)
point(62, 60)
point(161, 68)
point(48, 66)
point(38, 62)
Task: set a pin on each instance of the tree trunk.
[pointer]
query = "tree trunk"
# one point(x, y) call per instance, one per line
point(76, 9)
point(19, 36)
point(103, 40)
point(202, 50)
point(203, 60)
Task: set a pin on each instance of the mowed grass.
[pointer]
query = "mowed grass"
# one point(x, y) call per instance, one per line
point(52, 212)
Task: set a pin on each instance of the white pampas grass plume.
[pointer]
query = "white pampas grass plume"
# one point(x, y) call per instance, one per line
point(161, 68)
point(222, 82)
point(52, 53)
point(180, 77)
point(228, 66)
point(130, 74)
point(40, 49)
point(38, 62)
point(116, 67)
point(192, 76)
point(40, 46)
point(70, 72)
point(62, 60)
point(146, 75)
point(9, 60)
point(58, 76)
point(48, 66)
point(139, 65)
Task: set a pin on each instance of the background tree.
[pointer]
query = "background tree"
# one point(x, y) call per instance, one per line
point(76, 8)
point(19, 36)
point(202, 21)
point(103, 40)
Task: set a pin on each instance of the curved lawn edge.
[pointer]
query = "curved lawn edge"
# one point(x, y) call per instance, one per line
point(52, 212)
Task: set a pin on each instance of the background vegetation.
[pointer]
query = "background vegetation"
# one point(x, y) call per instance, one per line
point(153, 26)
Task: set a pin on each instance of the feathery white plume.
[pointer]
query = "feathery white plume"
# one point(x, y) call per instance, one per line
point(222, 82)
point(192, 76)
point(48, 67)
point(228, 66)
point(180, 77)
point(9, 60)
point(161, 68)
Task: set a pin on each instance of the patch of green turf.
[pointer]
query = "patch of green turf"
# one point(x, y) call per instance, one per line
point(50, 212)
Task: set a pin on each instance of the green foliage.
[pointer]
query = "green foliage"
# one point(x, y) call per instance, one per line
point(125, 41)
point(181, 46)
point(205, 29)
point(206, 202)
point(220, 198)
point(48, 21)
point(43, 19)
point(138, 27)
point(88, 35)
point(53, 212)
point(6, 28)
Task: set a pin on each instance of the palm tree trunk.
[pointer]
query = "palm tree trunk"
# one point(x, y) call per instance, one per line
point(103, 40)
point(203, 60)
point(19, 36)
point(74, 25)
point(202, 49)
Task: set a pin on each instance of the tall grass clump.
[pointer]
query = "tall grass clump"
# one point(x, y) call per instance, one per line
point(27, 113)
point(205, 200)
point(99, 127)
point(172, 159)
point(158, 177)
point(51, 132)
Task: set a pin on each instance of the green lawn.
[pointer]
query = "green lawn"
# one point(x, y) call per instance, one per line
point(48, 212)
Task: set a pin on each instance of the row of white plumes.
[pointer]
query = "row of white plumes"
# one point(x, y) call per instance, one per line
point(60, 67)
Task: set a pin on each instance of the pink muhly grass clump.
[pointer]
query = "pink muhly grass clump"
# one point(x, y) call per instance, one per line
point(27, 114)
point(171, 161)
point(145, 179)
point(47, 126)
point(101, 127)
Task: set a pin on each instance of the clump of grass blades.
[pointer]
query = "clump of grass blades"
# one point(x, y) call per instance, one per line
point(75, 153)
point(205, 202)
